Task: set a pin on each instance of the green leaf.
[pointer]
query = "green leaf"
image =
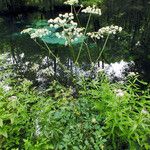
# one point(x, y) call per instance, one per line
point(4, 133)
point(1, 122)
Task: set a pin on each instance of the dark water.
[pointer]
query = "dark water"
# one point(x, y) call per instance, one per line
point(33, 62)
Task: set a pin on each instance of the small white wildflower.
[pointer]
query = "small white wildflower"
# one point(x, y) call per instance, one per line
point(51, 25)
point(50, 21)
point(47, 71)
point(33, 36)
point(144, 111)
point(119, 92)
point(27, 63)
point(93, 120)
point(26, 81)
point(56, 26)
point(81, 6)
point(100, 70)
point(131, 74)
point(120, 29)
point(76, 39)
point(35, 66)
point(12, 98)
point(22, 55)
point(66, 43)
point(138, 43)
point(60, 15)
point(6, 88)
point(58, 34)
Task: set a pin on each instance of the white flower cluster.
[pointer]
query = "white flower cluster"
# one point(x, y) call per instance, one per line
point(35, 67)
point(71, 2)
point(94, 120)
point(6, 88)
point(48, 71)
point(132, 74)
point(110, 29)
point(28, 30)
point(40, 33)
point(35, 33)
point(104, 31)
point(119, 92)
point(12, 98)
point(144, 111)
point(70, 32)
point(92, 10)
point(62, 21)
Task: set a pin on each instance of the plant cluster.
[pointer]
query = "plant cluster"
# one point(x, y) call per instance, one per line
point(102, 116)
point(70, 33)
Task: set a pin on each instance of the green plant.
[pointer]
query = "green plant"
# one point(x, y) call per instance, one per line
point(124, 110)
point(50, 119)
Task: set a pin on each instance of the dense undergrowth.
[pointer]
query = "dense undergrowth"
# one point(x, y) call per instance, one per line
point(103, 116)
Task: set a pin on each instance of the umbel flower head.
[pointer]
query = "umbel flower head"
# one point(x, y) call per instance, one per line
point(62, 21)
point(35, 33)
point(92, 10)
point(105, 31)
point(71, 2)
point(69, 30)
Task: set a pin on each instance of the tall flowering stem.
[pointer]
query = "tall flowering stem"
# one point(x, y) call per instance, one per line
point(103, 48)
point(100, 54)
point(88, 52)
point(83, 41)
point(76, 13)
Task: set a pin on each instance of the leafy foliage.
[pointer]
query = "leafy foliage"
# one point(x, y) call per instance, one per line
point(125, 118)
point(54, 119)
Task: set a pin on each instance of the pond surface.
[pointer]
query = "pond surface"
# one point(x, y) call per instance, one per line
point(32, 61)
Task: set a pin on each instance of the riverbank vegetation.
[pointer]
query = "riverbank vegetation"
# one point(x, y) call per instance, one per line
point(100, 115)
point(93, 111)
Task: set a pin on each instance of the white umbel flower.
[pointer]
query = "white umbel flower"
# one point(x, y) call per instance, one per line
point(105, 31)
point(70, 32)
point(35, 33)
point(92, 10)
point(40, 33)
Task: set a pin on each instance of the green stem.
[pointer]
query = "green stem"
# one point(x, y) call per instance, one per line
point(71, 9)
point(77, 16)
point(51, 53)
point(103, 48)
point(88, 52)
point(72, 51)
point(83, 41)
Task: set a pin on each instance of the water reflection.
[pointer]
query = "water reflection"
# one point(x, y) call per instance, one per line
point(33, 62)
